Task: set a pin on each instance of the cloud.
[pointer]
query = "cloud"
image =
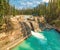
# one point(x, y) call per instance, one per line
point(29, 3)
point(36, 2)
point(26, 3)
point(45, 1)
point(23, 3)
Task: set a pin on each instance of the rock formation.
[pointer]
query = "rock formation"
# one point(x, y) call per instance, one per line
point(18, 30)
point(18, 27)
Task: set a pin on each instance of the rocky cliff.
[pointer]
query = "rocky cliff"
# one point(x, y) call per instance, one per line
point(18, 27)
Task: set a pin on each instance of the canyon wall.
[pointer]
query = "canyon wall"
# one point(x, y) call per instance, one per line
point(19, 27)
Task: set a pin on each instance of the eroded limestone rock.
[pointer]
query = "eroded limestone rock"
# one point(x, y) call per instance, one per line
point(21, 27)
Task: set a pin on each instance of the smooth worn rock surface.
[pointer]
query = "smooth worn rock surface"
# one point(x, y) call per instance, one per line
point(19, 26)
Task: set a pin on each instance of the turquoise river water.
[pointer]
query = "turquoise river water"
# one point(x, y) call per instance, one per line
point(51, 42)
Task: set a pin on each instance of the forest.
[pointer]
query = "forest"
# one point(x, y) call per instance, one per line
point(51, 11)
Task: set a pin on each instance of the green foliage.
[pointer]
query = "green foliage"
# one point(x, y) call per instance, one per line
point(57, 23)
point(51, 12)
point(6, 9)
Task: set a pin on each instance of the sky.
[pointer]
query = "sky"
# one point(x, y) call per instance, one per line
point(20, 4)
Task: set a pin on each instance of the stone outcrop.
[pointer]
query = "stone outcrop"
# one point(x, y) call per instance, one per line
point(57, 29)
point(20, 26)
point(20, 29)
point(34, 25)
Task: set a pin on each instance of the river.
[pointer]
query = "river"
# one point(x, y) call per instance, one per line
point(45, 40)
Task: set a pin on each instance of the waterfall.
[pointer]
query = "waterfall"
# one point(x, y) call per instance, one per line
point(27, 28)
point(23, 29)
point(40, 37)
point(42, 40)
point(32, 27)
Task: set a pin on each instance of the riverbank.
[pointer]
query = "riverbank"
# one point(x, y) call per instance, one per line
point(14, 43)
point(57, 29)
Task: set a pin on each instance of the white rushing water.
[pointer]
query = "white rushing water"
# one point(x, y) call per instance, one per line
point(42, 40)
point(40, 37)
